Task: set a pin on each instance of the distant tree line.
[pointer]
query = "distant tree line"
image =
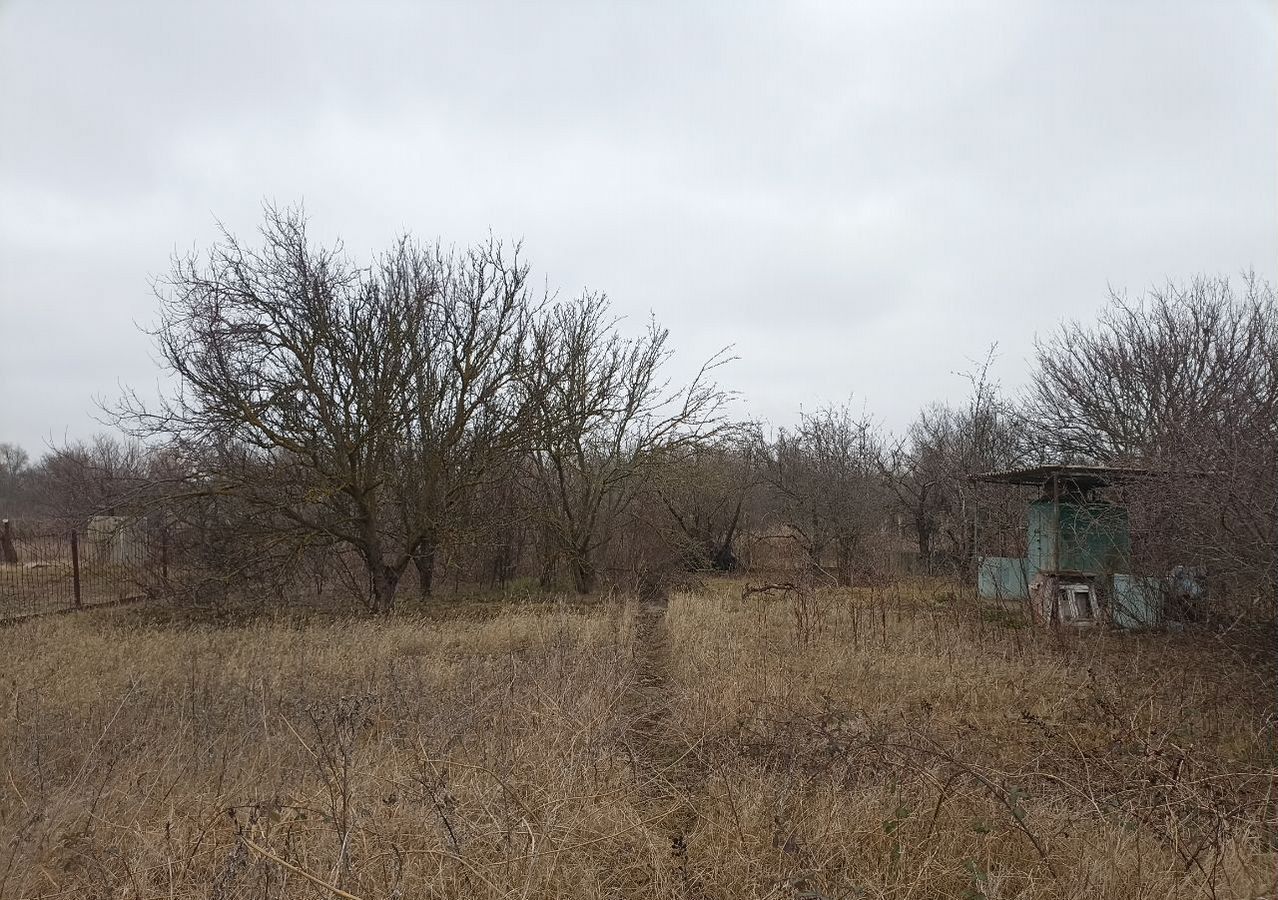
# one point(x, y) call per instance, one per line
point(429, 414)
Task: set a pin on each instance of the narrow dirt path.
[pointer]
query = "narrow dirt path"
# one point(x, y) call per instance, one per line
point(669, 768)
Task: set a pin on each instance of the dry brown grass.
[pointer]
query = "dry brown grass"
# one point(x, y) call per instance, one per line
point(834, 745)
point(893, 743)
point(416, 757)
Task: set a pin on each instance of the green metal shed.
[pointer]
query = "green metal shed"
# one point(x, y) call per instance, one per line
point(1079, 550)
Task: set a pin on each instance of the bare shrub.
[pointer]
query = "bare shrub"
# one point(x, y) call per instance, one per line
point(825, 477)
point(1184, 381)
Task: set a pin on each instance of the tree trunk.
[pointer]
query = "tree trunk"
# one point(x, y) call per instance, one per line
point(503, 565)
point(925, 539)
point(722, 559)
point(925, 544)
point(815, 553)
point(546, 578)
point(424, 560)
point(385, 580)
point(550, 553)
point(583, 573)
point(843, 563)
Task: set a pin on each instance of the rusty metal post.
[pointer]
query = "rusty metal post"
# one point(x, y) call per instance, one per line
point(75, 567)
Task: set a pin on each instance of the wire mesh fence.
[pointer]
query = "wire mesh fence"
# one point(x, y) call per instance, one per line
point(105, 561)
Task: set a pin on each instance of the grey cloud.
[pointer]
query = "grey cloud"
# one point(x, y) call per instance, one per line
point(859, 197)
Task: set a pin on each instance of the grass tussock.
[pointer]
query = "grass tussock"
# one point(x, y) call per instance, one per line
point(887, 743)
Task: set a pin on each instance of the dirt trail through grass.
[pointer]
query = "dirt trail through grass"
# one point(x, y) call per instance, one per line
point(672, 771)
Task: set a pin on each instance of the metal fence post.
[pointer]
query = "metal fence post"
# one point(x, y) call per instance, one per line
point(75, 567)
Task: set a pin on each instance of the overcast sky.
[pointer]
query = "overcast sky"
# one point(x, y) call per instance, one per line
point(859, 197)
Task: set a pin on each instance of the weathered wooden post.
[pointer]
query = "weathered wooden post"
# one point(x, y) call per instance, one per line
point(75, 567)
point(8, 552)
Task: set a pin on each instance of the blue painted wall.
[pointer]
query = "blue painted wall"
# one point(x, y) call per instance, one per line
point(1078, 537)
point(1137, 602)
point(1069, 536)
point(1003, 578)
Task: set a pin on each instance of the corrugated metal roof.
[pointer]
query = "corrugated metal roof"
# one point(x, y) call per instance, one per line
point(1083, 476)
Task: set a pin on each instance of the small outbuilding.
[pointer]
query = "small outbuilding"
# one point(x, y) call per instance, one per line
point(114, 539)
point(1077, 569)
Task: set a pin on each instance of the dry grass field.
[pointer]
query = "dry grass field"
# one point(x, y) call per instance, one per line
point(891, 743)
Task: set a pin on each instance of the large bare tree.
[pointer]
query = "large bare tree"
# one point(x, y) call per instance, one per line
point(470, 412)
point(345, 405)
point(608, 419)
point(1183, 380)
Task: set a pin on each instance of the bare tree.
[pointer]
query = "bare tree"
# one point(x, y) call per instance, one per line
point(608, 419)
point(343, 405)
point(917, 472)
point(705, 497)
point(13, 468)
point(470, 413)
point(1185, 381)
point(826, 478)
point(106, 475)
point(1155, 375)
point(928, 473)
